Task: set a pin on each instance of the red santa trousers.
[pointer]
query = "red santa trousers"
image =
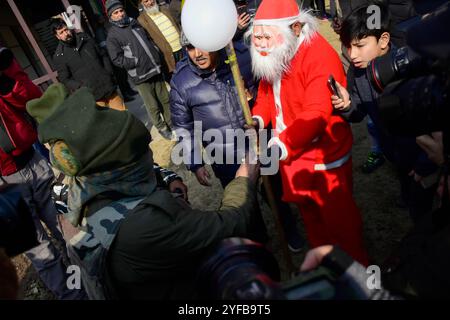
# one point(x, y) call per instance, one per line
point(329, 211)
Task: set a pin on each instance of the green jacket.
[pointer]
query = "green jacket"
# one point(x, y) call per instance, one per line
point(161, 242)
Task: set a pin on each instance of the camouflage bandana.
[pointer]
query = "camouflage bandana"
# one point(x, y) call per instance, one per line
point(134, 180)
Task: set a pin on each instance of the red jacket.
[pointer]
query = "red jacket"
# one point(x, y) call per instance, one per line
point(12, 107)
point(313, 135)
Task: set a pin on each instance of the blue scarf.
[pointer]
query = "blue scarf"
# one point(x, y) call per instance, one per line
point(122, 23)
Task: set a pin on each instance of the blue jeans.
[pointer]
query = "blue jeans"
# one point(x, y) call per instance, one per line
point(374, 136)
point(36, 178)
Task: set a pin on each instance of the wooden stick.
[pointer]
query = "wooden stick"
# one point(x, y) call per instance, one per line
point(266, 182)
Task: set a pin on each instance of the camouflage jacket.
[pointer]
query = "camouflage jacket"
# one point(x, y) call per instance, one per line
point(89, 247)
point(176, 239)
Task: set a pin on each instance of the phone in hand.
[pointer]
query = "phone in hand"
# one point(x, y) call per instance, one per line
point(333, 86)
point(241, 10)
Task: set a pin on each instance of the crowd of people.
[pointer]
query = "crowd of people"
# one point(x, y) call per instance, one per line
point(136, 234)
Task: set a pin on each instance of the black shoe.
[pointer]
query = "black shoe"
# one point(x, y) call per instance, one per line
point(374, 161)
point(127, 98)
point(131, 93)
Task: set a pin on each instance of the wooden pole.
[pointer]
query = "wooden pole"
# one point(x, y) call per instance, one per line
point(266, 182)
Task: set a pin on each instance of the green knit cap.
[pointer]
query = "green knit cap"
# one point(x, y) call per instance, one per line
point(43, 107)
point(99, 139)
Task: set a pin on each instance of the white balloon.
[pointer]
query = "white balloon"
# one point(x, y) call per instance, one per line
point(209, 24)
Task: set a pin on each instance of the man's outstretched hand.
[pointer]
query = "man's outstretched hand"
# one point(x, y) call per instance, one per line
point(314, 257)
point(203, 176)
point(248, 170)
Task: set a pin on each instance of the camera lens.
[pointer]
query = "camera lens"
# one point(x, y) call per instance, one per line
point(399, 64)
point(240, 269)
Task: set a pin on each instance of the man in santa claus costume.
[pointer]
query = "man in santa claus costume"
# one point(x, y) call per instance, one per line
point(294, 62)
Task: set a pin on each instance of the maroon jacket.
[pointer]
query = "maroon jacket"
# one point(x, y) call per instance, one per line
point(18, 128)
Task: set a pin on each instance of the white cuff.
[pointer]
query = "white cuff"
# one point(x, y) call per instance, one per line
point(260, 121)
point(277, 141)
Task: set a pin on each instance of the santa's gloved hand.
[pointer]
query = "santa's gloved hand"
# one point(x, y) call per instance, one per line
point(270, 155)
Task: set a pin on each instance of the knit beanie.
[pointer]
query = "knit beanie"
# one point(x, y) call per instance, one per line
point(112, 5)
point(40, 109)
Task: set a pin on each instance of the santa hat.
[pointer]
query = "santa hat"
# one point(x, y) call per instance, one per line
point(275, 12)
point(285, 13)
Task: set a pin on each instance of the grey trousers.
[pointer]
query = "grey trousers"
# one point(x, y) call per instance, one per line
point(36, 180)
point(156, 100)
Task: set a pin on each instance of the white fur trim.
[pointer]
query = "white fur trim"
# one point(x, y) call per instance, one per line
point(272, 22)
point(309, 23)
point(332, 165)
point(260, 121)
point(277, 141)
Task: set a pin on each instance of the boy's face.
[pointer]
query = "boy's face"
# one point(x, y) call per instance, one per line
point(364, 50)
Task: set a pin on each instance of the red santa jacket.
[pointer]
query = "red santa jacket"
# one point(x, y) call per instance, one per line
point(314, 136)
point(12, 108)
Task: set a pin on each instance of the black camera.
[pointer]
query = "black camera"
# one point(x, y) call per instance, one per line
point(240, 269)
point(415, 80)
point(17, 229)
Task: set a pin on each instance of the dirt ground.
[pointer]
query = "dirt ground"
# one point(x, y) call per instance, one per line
point(384, 223)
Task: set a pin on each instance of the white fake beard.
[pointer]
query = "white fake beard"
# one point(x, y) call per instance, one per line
point(278, 60)
point(152, 10)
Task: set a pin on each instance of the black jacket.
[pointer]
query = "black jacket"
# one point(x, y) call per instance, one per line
point(84, 64)
point(127, 52)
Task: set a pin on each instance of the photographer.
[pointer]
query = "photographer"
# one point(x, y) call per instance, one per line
point(349, 273)
point(246, 10)
point(418, 268)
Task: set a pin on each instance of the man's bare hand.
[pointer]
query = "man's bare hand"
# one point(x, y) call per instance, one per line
point(338, 103)
point(314, 257)
point(250, 171)
point(243, 21)
point(433, 145)
point(203, 176)
point(176, 186)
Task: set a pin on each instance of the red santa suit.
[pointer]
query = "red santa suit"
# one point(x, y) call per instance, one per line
point(315, 165)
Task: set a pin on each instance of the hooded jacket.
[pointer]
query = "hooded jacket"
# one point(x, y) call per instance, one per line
point(16, 130)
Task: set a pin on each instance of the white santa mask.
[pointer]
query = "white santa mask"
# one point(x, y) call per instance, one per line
point(272, 50)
